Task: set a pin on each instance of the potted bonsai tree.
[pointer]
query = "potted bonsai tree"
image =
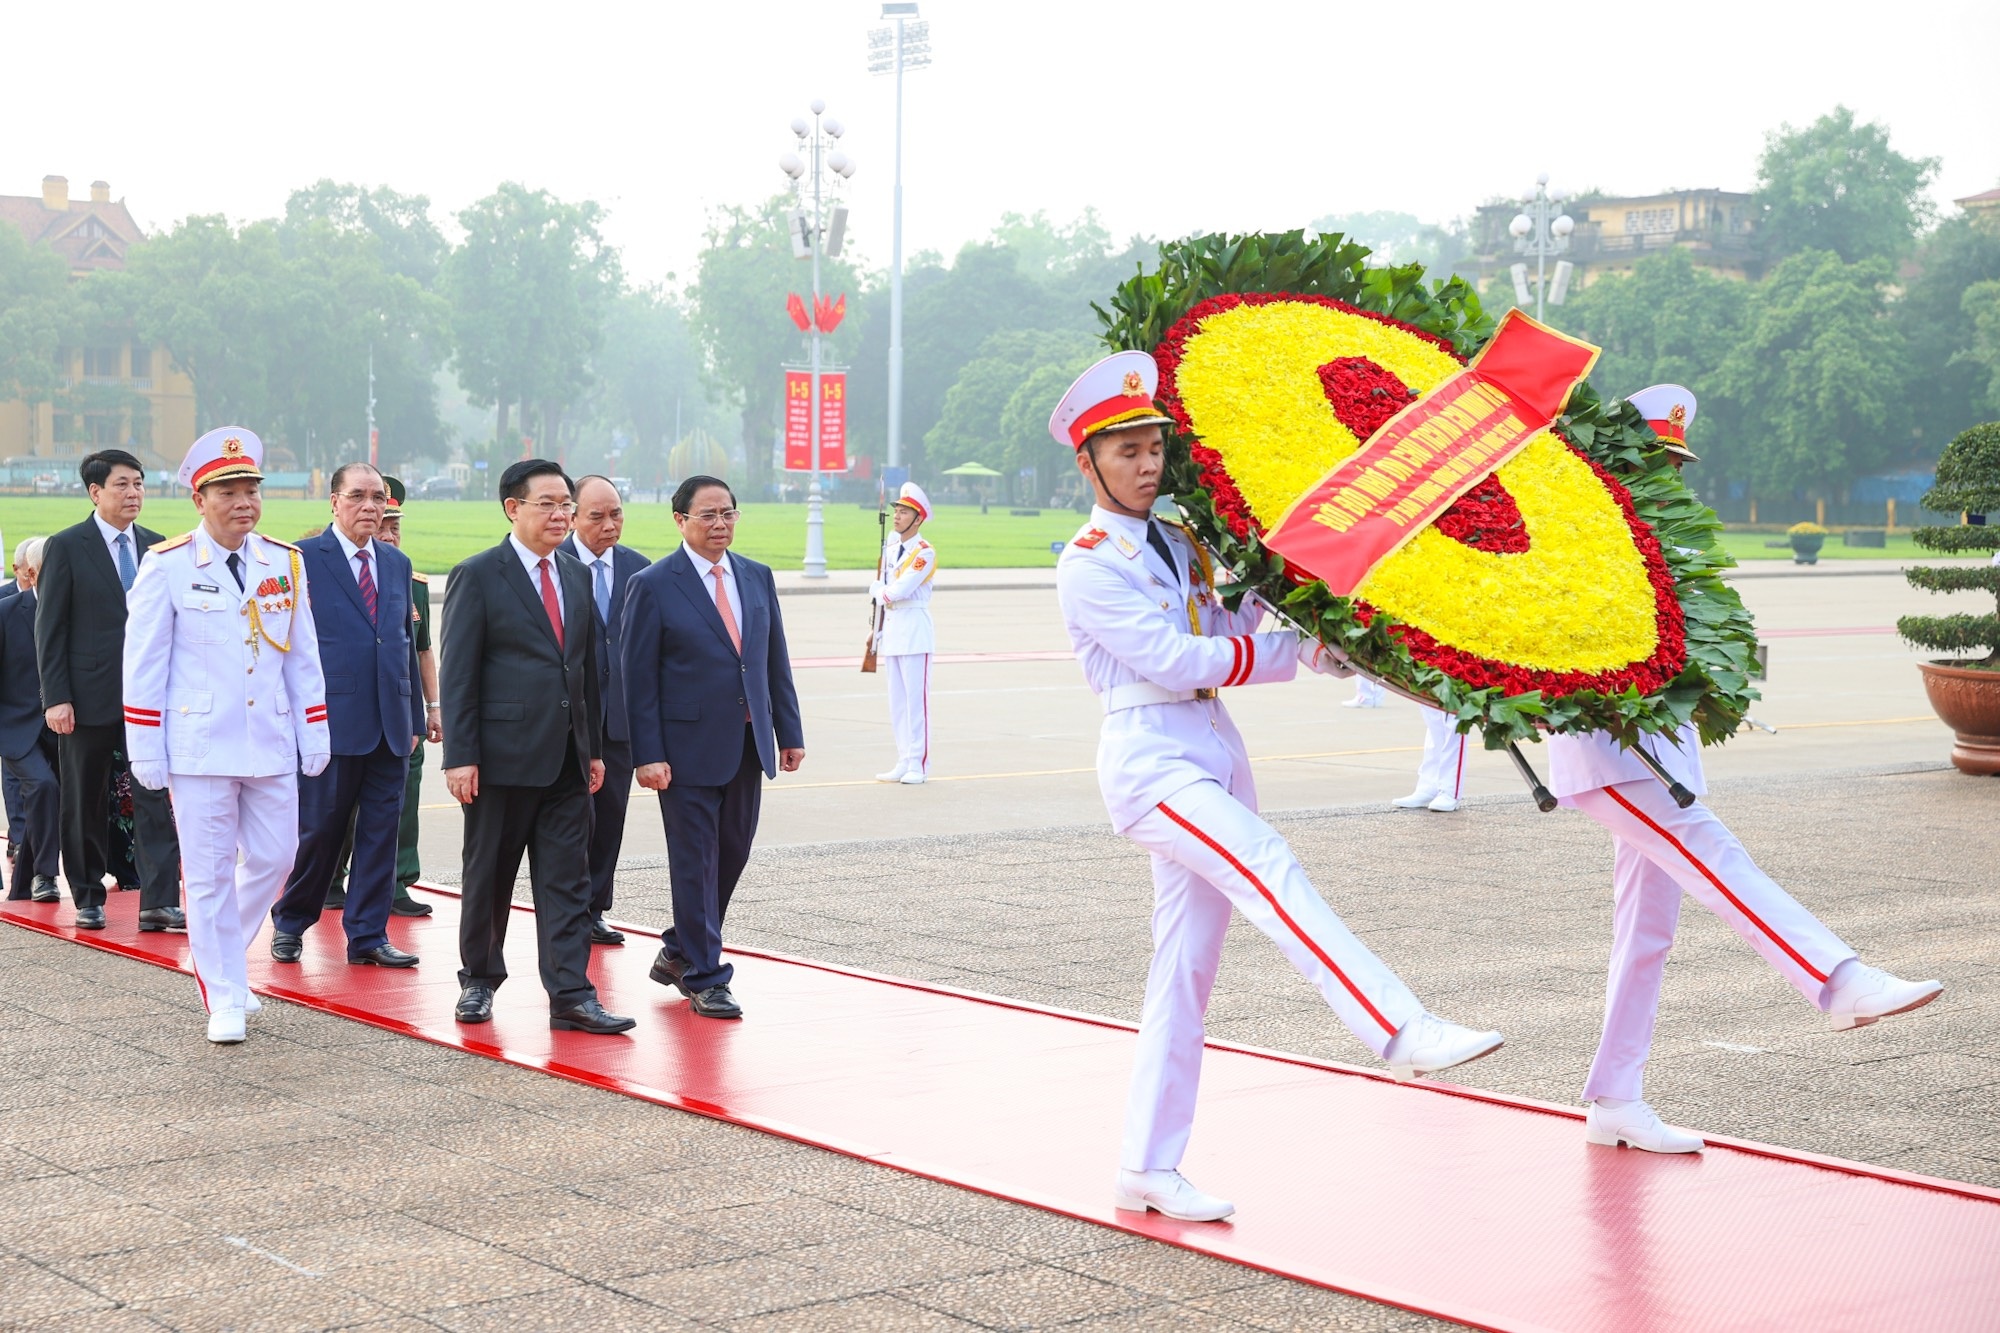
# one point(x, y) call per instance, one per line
point(1807, 538)
point(1965, 691)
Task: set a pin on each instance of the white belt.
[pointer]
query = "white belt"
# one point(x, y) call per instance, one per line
point(1140, 693)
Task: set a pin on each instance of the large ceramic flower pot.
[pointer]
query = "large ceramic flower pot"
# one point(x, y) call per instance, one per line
point(1967, 701)
point(1805, 548)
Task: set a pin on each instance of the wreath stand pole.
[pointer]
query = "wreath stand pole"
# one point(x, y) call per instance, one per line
point(1544, 802)
point(1682, 796)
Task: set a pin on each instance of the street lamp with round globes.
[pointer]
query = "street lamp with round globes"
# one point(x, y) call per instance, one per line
point(1542, 231)
point(1563, 225)
point(816, 231)
point(1520, 226)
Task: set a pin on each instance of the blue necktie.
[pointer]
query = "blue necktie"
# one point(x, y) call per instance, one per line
point(603, 590)
point(128, 573)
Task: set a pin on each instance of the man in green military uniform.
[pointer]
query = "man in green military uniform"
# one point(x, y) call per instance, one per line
point(408, 865)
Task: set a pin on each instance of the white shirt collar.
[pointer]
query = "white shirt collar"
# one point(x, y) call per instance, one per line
point(349, 547)
point(703, 564)
point(584, 553)
point(529, 560)
point(111, 534)
point(1135, 528)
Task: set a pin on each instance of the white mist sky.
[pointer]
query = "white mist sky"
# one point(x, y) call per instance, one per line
point(1167, 118)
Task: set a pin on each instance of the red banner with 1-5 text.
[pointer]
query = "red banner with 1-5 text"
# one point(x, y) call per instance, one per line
point(832, 421)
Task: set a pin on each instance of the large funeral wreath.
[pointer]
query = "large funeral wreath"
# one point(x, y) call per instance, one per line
point(1577, 588)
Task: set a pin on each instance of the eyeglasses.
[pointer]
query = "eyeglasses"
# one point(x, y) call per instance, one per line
point(715, 516)
point(376, 498)
point(546, 507)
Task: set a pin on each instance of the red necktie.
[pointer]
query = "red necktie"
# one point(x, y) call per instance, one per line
point(549, 602)
point(367, 582)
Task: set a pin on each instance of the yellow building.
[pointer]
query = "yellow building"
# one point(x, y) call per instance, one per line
point(143, 402)
point(1717, 228)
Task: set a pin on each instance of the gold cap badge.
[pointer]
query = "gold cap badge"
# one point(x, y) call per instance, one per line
point(1679, 415)
point(1134, 386)
point(232, 447)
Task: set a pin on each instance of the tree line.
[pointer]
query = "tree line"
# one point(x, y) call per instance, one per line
point(1872, 338)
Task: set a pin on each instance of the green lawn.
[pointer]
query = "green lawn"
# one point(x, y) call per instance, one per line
point(439, 534)
point(1747, 546)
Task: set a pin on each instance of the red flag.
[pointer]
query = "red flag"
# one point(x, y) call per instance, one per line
point(797, 309)
point(828, 314)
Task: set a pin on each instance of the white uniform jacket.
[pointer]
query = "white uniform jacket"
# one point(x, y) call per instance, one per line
point(221, 682)
point(905, 596)
point(1594, 760)
point(1128, 616)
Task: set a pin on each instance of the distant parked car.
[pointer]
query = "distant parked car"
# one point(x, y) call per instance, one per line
point(48, 483)
point(438, 488)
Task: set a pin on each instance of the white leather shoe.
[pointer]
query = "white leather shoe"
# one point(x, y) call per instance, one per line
point(252, 1005)
point(225, 1026)
point(1170, 1194)
point(1444, 805)
point(1428, 1044)
point(1416, 800)
point(1868, 993)
point(1360, 703)
point(893, 775)
point(1636, 1125)
point(913, 778)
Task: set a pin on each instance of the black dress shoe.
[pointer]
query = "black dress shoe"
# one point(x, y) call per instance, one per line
point(408, 906)
point(716, 1002)
point(286, 948)
point(44, 890)
point(475, 1005)
point(668, 971)
point(590, 1017)
point(384, 955)
point(603, 934)
point(163, 918)
point(90, 918)
point(336, 899)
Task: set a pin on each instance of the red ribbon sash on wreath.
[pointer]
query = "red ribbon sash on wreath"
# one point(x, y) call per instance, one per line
point(1429, 454)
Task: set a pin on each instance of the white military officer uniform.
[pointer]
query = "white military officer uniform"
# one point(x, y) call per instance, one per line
point(224, 703)
point(907, 639)
point(1661, 851)
point(1155, 643)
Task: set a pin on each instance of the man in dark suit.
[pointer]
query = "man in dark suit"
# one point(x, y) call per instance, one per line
point(600, 521)
point(87, 571)
point(27, 746)
point(375, 712)
point(708, 691)
point(521, 751)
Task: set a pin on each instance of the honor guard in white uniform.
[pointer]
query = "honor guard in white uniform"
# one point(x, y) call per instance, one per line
point(1662, 851)
point(1441, 772)
point(224, 705)
point(1156, 644)
point(906, 640)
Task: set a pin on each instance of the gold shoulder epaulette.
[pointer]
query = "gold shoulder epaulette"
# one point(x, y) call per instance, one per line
point(171, 542)
point(420, 577)
point(275, 542)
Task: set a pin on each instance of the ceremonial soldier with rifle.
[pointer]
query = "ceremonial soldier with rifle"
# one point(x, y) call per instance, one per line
point(904, 637)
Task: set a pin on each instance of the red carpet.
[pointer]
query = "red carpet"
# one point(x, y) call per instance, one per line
point(1483, 1209)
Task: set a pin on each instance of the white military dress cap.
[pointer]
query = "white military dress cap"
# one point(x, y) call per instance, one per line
point(1669, 410)
point(913, 496)
point(223, 453)
point(1114, 394)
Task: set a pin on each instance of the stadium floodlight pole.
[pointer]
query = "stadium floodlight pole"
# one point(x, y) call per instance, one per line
point(820, 135)
point(903, 45)
point(1542, 232)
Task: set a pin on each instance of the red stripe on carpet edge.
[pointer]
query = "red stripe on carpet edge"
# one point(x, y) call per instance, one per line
point(1843, 1165)
point(1214, 1242)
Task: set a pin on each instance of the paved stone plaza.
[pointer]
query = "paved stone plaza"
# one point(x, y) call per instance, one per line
point(327, 1174)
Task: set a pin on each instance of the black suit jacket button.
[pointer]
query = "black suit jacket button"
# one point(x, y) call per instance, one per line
point(565, 703)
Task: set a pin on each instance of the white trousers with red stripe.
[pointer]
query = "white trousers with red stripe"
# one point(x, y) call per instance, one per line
point(1661, 852)
point(227, 902)
point(1442, 770)
point(910, 708)
point(1211, 853)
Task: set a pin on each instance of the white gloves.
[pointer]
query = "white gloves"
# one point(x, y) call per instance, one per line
point(876, 591)
point(1324, 659)
point(150, 773)
point(312, 765)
